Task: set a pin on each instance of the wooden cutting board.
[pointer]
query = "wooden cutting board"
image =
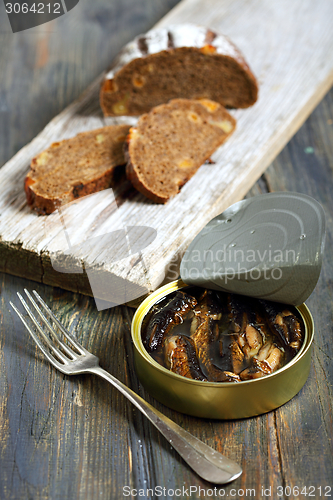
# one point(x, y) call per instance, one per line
point(289, 47)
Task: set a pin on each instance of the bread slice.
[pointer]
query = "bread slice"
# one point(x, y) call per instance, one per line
point(75, 167)
point(169, 144)
point(182, 61)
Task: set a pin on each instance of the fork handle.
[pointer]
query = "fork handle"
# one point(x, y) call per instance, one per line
point(206, 462)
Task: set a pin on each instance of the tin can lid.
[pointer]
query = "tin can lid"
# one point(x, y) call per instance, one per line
point(269, 246)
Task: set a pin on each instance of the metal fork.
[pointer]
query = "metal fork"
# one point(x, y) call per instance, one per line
point(73, 359)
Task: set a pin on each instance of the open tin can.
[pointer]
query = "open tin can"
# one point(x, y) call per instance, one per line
point(219, 400)
point(301, 221)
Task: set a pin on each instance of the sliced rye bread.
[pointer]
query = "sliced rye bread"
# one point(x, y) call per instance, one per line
point(169, 144)
point(182, 61)
point(75, 167)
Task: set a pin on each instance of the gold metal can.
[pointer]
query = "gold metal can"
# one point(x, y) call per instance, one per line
point(219, 400)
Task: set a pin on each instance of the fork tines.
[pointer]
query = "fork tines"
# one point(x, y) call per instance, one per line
point(65, 352)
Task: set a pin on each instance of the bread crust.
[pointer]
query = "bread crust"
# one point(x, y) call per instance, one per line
point(45, 206)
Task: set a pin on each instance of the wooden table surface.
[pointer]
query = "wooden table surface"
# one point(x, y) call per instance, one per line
point(66, 438)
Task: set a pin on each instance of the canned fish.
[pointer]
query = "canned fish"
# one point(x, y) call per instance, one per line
point(224, 399)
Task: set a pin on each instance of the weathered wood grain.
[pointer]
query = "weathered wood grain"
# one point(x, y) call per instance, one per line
point(77, 438)
point(294, 72)
point(305, 165)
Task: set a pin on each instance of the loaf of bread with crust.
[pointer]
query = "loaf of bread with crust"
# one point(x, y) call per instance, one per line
point(75, 167)
point(182, 61)
point(169, 144)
